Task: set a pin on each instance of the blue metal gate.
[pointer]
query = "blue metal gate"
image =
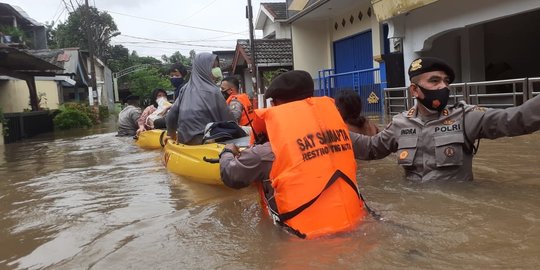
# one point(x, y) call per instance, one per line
point(351, 54)
point(353, 69)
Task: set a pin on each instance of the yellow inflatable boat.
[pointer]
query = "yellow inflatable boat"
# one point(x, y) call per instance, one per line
point(195, 162)
point(150, 139)
point(199, 163)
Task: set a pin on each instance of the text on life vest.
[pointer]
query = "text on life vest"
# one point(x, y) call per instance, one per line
point(324, 142)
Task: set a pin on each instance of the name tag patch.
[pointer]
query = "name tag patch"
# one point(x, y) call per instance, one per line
point(408, 131)
point(449, 128)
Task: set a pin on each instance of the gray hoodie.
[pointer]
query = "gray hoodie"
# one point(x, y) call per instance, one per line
point(199, 103)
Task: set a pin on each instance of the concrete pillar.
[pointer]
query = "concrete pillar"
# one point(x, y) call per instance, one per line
point(408, 56)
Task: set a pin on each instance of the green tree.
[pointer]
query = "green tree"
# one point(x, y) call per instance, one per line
point(72, 32)
point(144, 81)
point(176, 57)
point(118, 58)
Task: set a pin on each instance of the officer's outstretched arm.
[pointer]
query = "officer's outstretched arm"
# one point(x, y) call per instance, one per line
point(514, 121)
point(374, 147)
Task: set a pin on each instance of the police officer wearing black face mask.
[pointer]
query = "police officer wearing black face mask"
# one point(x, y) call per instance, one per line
point(177, 74)
point(435, 140)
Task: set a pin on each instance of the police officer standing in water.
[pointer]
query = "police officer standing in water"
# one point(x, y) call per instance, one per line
point(436, 141)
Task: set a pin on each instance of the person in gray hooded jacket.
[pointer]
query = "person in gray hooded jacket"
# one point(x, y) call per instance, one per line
point(199, 102)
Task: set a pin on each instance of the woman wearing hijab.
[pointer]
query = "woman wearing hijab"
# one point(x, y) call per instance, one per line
point(199, 102)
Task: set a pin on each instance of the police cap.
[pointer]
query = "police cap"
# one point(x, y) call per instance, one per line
point(291, 85)
point(428, 64)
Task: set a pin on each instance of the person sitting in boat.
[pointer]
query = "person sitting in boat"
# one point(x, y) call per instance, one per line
point(177, 77)
point(349, 105)
point(239, 103)
point(199, 103)
point(128, 117)
point(153, 117)
point(306, 173)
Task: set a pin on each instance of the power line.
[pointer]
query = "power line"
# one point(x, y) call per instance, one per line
point(58, 9)
point(174, 48)
point(174, 42)
point(213, 38)
point(171, 23)
point(177, 42)
point(198, 11)
point(59, 16)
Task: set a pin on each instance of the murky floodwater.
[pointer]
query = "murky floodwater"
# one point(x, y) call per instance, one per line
point(85, 201)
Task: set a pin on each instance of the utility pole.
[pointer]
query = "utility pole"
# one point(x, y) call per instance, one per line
point(254, 67)
point(90, 38)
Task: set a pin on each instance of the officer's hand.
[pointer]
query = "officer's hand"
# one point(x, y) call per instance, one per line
point(235, 150)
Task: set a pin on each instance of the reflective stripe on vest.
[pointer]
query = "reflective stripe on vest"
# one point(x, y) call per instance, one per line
point(247, 108)
point(314, 171)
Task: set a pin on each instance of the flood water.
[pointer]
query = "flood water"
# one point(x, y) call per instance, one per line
point(94, 201)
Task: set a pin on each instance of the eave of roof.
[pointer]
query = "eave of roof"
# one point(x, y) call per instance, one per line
point(15, 61)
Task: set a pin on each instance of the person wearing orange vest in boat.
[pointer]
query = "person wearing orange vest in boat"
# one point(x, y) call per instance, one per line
point(305, 170)
point(239, 103)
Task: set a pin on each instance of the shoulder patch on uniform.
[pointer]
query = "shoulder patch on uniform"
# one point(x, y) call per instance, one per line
point(410, 112)
point(448, 122)
point(480, 109)
point(445, 112)
point(403, 155)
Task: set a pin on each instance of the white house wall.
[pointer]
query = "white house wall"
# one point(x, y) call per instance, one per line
point(15, 96)
point(311, 46)
point(357, 27)
point(424, 26)
point(281, 30)
point(313, 40)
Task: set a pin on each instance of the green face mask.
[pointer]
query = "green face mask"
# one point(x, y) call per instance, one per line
point(218, 76)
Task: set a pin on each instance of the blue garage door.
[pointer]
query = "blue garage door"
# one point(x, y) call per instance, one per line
point(351, 54)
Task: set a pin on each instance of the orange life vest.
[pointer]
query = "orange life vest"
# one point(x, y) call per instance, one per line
point(247, 110)
point(312, 187)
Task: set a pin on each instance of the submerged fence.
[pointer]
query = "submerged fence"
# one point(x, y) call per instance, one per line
point(493, 94)
point(367, 83)
point(377, 100)
point(27, 124)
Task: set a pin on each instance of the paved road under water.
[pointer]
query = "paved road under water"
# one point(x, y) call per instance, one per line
point(94, 201)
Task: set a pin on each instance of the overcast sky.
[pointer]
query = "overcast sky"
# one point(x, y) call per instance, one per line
point(149, 27)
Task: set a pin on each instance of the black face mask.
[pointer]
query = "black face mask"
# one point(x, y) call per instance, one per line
point(176, 81)
point(435, 100)
point(225, 94)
